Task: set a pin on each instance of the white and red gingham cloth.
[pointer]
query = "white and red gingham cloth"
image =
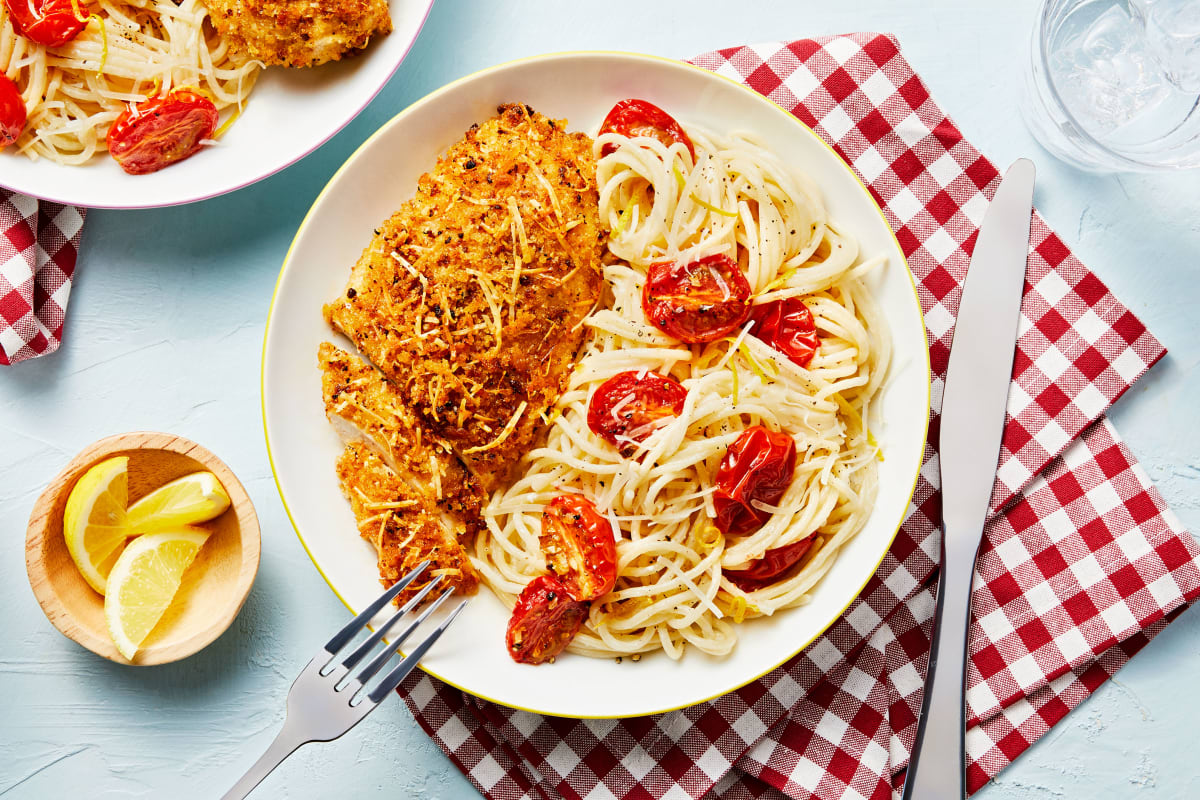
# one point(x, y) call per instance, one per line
point(38, 245)
point(1082, 563)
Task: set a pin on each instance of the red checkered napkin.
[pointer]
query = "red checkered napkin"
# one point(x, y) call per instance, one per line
point(1082, 563)
point(38, 245)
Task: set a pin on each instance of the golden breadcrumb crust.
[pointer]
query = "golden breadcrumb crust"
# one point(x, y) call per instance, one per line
point(364, 406)
point(469, 301)
point(402, 524)
point(298, 33)
point(471, 297)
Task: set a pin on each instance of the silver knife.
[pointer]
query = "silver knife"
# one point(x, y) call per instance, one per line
point(972, 423)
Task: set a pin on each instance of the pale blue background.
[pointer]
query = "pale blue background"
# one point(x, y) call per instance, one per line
point(165, 330)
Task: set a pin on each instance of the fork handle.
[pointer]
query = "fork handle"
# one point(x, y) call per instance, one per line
point(286, 742)
point(936, 767)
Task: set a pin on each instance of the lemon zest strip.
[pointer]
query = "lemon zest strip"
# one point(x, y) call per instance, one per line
point(711, 207)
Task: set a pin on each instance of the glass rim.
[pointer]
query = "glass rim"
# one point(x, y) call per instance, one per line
point(1041, 49)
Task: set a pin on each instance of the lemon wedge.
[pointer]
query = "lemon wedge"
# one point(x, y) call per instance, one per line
point(193, 498)
point(144, 581)
point(94, 521)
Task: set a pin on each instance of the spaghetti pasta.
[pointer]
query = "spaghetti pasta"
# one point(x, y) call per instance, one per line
point(673, 589)
point(130, 50)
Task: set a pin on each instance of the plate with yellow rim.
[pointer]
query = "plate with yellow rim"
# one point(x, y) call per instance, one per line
point(376, 180)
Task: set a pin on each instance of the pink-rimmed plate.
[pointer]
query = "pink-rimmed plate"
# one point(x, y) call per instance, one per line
point(290, 113)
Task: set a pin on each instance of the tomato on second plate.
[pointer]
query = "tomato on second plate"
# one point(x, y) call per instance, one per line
point(49, 22)
point(579, 546)
point(625, 408)
point(700, 301)
point(12, 111)
point(789, 327)
point(544, 621)
point(639, 118)
point(768, 569)
point(758, 466)
point(161, 130)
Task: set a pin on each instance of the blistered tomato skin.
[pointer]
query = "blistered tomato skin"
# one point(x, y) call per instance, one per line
point(770, 568)
point(789, 327)
point(161, 131)
point(579, 546)
point(544, 621)
point(624, 409)
point(697, 302)
point(641, 118)
point(52, 23)
point(759, 465)
point(12, 111)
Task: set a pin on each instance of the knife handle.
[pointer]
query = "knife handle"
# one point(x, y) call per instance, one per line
point(936, 767)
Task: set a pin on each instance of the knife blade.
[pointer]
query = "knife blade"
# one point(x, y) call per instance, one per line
point(972, 425)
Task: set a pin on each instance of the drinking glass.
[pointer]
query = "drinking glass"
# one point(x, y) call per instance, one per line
point(1115, 84)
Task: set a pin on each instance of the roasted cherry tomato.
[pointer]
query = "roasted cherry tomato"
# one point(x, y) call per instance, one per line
point(625, 408)
point(12, 111)
point(639, 118)
point(544, 621)
point(161, 130)
point(579, 547)
point(789, 327)
point(758, 466)
point(701, 301)
point(49, 22)
point(770, 567)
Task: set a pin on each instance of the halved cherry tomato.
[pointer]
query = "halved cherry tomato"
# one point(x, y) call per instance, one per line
point(758, 466)
point(789, 327)
point(640, 118)
point(12, 111)
point(49, 22)
point(544, 621)
point(625, 408)
point(161, 130)
point(701, 301)
point(579, 546)
point(770, 567)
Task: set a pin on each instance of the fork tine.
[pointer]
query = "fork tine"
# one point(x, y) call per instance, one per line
point(369, 671)
point(366, 647)
point(393, 678)
point(343, 637)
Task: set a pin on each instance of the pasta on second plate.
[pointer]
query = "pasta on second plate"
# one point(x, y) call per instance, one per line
point(129, 50)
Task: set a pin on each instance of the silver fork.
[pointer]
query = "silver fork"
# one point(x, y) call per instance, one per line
point(327, 700)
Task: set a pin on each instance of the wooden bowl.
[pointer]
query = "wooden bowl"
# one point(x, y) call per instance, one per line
point(214, 587)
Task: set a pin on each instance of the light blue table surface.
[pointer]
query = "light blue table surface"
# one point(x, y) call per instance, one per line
point(165, 329)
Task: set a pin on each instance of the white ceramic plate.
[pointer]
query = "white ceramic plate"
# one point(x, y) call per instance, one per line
point(290, 113)
point(374, 182)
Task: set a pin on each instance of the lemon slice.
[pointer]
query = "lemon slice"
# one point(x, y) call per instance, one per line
point(144, 581)
point(193, 498)
point(94, 521)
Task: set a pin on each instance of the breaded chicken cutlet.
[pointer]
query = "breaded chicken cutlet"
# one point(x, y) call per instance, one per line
point(471, 297)
point(298, 33)
point(469, 302)
point(362, 406)
point(402, 524)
